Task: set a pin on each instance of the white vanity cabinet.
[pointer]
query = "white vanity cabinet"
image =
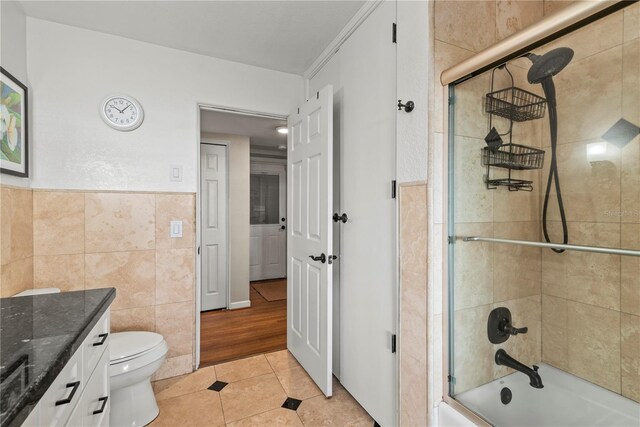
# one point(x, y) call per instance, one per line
point(79, 396)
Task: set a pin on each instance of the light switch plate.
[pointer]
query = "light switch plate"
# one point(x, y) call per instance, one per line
point(176, 228)
point(176, 173)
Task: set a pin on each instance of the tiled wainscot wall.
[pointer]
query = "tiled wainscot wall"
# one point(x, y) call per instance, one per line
point(86, 240)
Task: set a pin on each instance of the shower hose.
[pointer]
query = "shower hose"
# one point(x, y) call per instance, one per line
point(550, 94)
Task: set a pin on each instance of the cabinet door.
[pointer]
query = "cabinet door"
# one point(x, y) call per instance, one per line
point(95, 400)
point(64, 393)
point(95, 344)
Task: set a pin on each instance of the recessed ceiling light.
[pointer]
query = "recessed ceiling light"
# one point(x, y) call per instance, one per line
point(282, 147)
point(283, 130)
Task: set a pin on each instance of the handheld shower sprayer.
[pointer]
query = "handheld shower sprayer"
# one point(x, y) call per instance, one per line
point(542, 70)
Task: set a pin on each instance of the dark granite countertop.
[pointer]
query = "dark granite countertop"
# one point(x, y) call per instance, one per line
point(38, 336)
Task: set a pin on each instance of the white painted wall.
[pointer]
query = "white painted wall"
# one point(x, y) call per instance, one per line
point(239, 227)
point(71, 70)
point(13, 58)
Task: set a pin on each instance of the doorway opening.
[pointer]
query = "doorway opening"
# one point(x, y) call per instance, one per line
point(242, 235)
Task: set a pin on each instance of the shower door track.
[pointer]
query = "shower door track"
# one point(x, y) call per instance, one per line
point(578, 248)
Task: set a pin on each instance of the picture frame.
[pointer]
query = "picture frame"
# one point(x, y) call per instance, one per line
point(14, 126)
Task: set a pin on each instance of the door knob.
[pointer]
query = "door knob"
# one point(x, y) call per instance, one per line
point(322, 258)
point(408, 107)
point(282, 227)
point(344, 218)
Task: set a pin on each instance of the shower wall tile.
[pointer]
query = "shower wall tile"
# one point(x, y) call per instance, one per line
point(473, 357)
point(514, 15)
point(586, 111)
point(526, 347)
point(58, 223)
point(631, 81)
point(554, 332)
point(469, 106)
point(630, 183)
point(133, 273)
point(630, 356)
point(119, 222)
point(474, 203)
point(473, 264)
point(553, 6)
point(630, 270)
point(65, 272)
point(632, 22)
point(594, 344)
point(468, 24)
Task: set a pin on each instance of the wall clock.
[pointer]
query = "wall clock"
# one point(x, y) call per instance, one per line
point(122, 112)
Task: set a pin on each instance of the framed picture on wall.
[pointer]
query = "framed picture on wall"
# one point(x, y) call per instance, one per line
point(14, 142)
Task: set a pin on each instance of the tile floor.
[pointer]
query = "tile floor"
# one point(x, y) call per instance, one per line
point(255, 391)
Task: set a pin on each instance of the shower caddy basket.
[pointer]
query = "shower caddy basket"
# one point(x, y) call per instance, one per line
point(515, 105)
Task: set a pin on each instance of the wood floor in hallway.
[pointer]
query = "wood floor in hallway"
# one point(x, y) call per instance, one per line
point(232, 334)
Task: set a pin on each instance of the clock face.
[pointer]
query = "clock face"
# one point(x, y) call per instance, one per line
point(122, 112)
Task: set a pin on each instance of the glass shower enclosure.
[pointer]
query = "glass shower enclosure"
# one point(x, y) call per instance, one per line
point(544, 232)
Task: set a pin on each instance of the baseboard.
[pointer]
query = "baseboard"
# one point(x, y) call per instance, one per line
point(239, 304)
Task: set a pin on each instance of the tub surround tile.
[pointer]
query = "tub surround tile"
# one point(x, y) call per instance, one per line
point(175, 322)
point(473, 264)
point(242, 369)
point(65, 272)
point(630, 356)
point(630, 270)
point(630, 182)
point(274, 418)
point(554, 332)
point(594, 344)
point(132, 272)
point(175, 207)
point(58, 223)
point(632, 22)
point(251, 396)
point(468, 24)
point(202, 408)
point(134, 319)
point(119, 222)
point(553, 6)
point(631, 81)
point(515, 15)
point(175, 275)
point(470, 338)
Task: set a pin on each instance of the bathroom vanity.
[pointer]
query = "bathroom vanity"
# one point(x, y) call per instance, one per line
point(54, 359)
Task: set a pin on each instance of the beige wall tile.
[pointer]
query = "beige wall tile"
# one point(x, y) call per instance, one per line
point(554, 332)
point(65, 272)
point(21, 224)
point(175, 207)
point(446, 55)
point(630, 182)
point(474, 203)
point(516, 269)
point(631, 81)
point(632, 22)
point(134, 319)
point(17, 277)
point(514, 15)
point(469, 110)
point(594, 344)
point(630, 270)
point(473, 263)
point(474, 353)
point(630, 353)
point(175, 276)
point(119, 222)
point(552, 6)
point(5, 280)
point(131, 273)
point(175, 366)
point(6, 213)
point(468, 24)
point(175, 323)
point(58, 223)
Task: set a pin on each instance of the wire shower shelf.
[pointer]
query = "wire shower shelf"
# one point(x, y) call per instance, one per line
point(515, 104)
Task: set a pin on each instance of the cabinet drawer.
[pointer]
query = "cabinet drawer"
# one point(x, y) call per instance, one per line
point(95, 344)
point(63, 394)
point(94, 406)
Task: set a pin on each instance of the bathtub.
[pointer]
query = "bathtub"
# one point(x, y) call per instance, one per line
point(565, 400)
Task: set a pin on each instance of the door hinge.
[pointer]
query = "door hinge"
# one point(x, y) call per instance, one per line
point(394, 32)
point(393, 343)
point(198, 250)
point(393, 189)
point(449, 378)
point(451, 240)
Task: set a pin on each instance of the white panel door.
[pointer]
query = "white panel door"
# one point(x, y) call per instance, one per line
point(268, 238)
point(213, 225)
point(309, 232)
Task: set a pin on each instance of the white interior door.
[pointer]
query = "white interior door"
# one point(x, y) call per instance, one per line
point(268, 204)
point(309, 233)
point(213, 225)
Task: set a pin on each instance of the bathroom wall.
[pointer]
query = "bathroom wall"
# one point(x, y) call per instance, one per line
point(239, 223)
point(485, 273)
point(16, 238)
point(591, 302)
point(87, 240)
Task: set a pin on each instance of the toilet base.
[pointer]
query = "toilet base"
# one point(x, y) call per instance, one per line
point(134, 405)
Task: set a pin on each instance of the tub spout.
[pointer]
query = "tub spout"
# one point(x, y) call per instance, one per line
point(502, 358)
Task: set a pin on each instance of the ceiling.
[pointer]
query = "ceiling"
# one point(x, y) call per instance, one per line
point(261, 131)
point(280, 35)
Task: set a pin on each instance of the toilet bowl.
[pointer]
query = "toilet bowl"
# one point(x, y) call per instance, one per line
point(134, 358)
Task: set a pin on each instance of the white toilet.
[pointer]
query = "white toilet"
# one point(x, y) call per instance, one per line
point(135, 357)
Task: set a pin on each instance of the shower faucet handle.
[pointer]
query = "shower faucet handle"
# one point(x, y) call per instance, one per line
point(512, 330)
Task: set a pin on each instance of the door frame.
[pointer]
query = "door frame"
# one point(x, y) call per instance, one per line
point(198, 288)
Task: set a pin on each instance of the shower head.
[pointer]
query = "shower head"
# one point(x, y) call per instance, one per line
point(549, 64)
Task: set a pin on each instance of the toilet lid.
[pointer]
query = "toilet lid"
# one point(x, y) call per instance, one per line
point(124, 345)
